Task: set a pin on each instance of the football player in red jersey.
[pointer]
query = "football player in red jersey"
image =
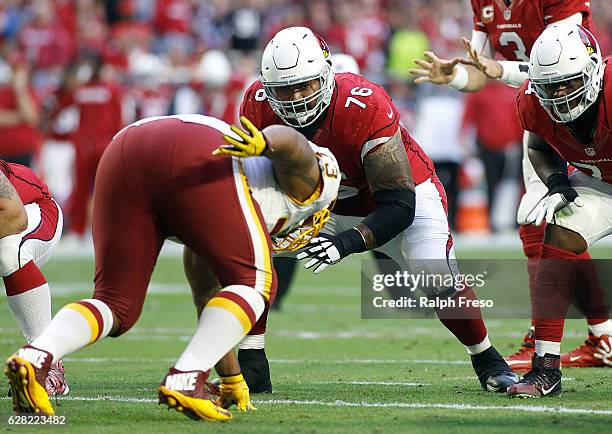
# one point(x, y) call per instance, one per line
point(509, 27)
point(566, 110)
point(30, 230)
point(390, 198)
point(171, 178)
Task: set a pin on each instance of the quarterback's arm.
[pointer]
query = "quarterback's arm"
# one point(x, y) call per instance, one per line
point(481, 54)
point(511, 72)
point(13, 217)
point(460, 74)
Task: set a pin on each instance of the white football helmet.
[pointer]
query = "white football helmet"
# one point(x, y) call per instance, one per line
point(566, 57)
point(345, 63)
point(293, 56)
point(214, 69)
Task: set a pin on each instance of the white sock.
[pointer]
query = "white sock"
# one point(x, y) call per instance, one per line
point(32, 310)
point(550, 347)
point(224, 321)
point(604, 328)
point(253, 342)
point(74, 327)
point(472, 350)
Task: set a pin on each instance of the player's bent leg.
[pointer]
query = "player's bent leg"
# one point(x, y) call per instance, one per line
point(553, 292)
point(531, 238)
point(252, 356)
point(251, 360)
point(28, 292)
point(225, 320)
point(75, 326)
point(427, 247)
point(29, 298)
point(591, 300)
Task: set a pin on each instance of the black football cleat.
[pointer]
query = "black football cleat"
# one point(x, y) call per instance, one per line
point(544, 379)
point(493, 372)
point(255, 370)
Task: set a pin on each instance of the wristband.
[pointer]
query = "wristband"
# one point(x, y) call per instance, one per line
point(514, 73)
point(352, 242)
point(557, 179)
point(461, 78)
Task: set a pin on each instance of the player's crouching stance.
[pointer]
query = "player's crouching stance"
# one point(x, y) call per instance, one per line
point(30, 228)
point(565, 108)
point(159, 178)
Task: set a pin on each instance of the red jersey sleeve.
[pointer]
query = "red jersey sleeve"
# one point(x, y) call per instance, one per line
point(557, 10)
point(382, 117)
point(525, 109)
point(477, 16)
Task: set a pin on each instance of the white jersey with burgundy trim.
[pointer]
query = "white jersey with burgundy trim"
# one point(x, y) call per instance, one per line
point(282, 213)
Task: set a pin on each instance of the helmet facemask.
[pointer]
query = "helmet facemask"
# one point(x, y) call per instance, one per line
point(297, 238)
point(582, 94)
point(303, 112)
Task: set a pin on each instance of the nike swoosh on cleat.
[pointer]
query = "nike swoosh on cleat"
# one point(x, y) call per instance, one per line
point(574, 358)
point(547, 391)
point(390, 114)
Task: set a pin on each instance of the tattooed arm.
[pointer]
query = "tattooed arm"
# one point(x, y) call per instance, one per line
point(388, 172)
point(13, 218)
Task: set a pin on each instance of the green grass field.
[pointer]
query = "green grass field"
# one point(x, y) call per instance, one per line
point(332, 371)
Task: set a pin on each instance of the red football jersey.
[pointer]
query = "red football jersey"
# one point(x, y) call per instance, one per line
point(29, 186)
point(100, 111)
point(513, 29)
point(361, 116)
point(595, 158)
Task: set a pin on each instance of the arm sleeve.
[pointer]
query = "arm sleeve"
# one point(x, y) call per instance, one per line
point(514, 73)
point(482, 44)
point(383, 120)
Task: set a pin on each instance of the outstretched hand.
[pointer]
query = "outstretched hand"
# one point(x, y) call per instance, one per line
point(437, 71)
point(489, 67)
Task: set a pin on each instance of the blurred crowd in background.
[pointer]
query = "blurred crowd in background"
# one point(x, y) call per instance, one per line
point(73, 72)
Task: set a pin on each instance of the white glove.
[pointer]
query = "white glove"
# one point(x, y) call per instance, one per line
point(323, 250)
point(604, 352)
point(548, 206)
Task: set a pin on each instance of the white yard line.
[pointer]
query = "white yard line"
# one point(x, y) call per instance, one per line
point(339, 403)
point(372, 383)
point(277, 361)
point(471, 378)
point(469, 407)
